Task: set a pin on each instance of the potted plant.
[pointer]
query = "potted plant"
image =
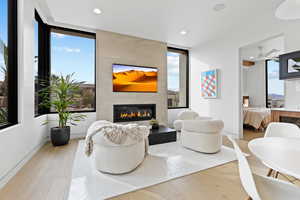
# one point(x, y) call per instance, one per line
point(154, 123)
point(59, 96)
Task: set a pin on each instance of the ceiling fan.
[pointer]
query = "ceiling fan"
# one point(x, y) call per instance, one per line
point(264, 56)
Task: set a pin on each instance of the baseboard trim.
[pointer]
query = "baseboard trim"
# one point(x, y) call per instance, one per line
point(12, 172)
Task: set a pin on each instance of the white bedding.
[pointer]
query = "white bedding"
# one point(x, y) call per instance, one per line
point(257, 117)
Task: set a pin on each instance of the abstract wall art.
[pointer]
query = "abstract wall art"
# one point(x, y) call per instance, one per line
point(209, 84)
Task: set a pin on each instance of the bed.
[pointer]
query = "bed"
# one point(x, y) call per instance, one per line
point(258, 118)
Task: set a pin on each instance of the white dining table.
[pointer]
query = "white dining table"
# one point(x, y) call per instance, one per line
point(280, 154)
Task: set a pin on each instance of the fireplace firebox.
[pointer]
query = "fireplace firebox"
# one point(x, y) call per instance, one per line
point(134, 112)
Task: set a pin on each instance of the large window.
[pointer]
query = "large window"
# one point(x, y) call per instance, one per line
point(73, 52)
point(60, 51)
point(178, 83)
point(274, 86)
point(8, 63)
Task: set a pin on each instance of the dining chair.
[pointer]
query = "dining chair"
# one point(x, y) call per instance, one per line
point(281, 129)
point(263, 188)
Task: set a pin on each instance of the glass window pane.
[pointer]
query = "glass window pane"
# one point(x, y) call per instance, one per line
point(75, 54)
point(35, 67)
point(275, 86)
point(177, 78)
point(3, 61)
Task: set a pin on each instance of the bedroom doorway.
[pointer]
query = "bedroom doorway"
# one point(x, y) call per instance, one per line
point(261, 89)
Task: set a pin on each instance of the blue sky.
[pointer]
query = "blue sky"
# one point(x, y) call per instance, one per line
point(73, 54)
point(173, 71)
point(275, 86)
point(36, 46)
point(3, 31)
point(3, 20)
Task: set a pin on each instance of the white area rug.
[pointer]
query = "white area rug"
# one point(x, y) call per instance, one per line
point(165, 162)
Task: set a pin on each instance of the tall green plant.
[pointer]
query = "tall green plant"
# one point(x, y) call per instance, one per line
point(3, 86)
point(60, 95)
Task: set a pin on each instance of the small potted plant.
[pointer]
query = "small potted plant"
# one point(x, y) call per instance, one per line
point(59, 96)
point(154, 123)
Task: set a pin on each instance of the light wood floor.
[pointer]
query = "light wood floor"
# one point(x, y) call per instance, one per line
point(250, 134)
point(47, 177)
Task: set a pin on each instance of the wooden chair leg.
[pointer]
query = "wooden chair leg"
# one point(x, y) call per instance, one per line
point(270, 172)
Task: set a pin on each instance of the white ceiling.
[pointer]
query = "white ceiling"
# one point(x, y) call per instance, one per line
point(162, 20)
point(252, 51)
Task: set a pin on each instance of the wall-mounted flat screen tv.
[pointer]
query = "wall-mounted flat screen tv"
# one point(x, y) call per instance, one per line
point(129, 78)
point(289, 65)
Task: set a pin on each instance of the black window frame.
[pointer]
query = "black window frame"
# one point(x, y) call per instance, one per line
point(12, 68)
point(173, 49)
point(267, 82)
point(44, 55)
point(43, 60)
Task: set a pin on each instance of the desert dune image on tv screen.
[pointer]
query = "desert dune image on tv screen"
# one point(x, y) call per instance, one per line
point(134, 79)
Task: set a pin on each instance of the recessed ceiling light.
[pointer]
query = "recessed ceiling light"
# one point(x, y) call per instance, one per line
point(219, 6)
point(183, 32)
point(97, 11)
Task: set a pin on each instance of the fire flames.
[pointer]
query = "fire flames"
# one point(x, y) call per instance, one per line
point(138, 114)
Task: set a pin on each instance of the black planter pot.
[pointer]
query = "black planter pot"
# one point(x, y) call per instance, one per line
point(60, 136)
point(155, 126)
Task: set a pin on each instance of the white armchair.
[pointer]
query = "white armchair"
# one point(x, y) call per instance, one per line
point(117, 158)
point(187, 115)
point(202, 135)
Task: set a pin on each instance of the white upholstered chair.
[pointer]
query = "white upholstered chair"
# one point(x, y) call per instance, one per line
point(281, 129)
point(202, 135)
point(187, 115)
point(117, 159)
point(263, 188)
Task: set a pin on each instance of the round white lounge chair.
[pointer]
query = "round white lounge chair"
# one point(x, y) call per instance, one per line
point(202, 135)
point(187, 115)
point(117, 159)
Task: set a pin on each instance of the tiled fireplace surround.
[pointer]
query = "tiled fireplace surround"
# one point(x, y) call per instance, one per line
point(123, 49)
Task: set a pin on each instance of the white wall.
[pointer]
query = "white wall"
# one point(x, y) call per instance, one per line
point(222, 56)
point(19, 142)
point(255, 84)
point(223, 53)
point(292, 93)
